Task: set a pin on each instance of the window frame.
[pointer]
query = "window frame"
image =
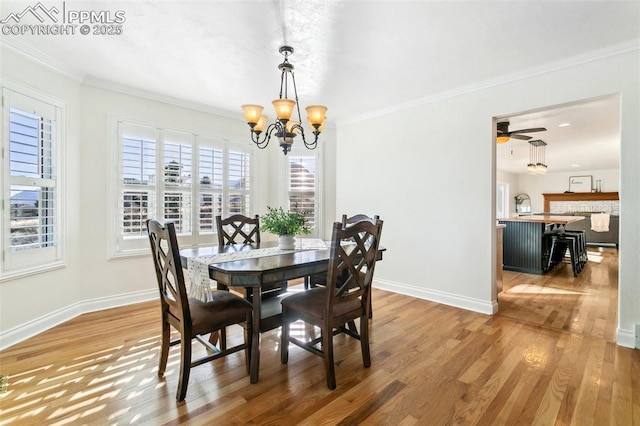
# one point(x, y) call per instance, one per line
point(301, 151)
point(37, 260)
point(121, 247)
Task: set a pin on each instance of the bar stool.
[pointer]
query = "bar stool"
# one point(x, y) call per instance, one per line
point(560, 242)
point(582, 246)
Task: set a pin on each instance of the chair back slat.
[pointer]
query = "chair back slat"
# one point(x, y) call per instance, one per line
point(238, 229)
point(166, 259)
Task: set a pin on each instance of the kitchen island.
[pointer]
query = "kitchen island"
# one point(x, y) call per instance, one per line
point(524, 247)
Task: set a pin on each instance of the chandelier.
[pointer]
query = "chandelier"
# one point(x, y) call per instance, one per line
point(285, 129)
point(536, 164)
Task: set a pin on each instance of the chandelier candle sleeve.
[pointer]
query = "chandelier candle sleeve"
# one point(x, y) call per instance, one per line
point(283, 127)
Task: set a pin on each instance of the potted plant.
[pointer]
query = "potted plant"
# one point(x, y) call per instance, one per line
point(286, 225)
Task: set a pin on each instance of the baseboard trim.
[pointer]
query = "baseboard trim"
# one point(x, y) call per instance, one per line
point(34, 327)
point(626, 338)
point(457, 301)
point(8, 338)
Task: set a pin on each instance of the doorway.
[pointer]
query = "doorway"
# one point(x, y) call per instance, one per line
point(582, 139)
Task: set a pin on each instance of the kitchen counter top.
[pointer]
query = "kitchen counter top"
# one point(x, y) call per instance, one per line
point(563, 220)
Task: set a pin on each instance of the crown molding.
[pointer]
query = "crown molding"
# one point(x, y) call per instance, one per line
point(40, 58)
point(593, 56)
point(159, 97)
point(61, 67)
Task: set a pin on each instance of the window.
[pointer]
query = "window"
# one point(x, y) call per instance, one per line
point(211, 182)
point(213, 171)
point(239, 179)
point(177, 177)
point(31, 214)
point(502, 197)
point(302, 183)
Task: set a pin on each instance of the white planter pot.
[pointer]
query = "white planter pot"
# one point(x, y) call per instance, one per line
point(287, 242)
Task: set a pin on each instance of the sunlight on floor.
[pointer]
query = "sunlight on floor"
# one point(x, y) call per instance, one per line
point(101, 381)
point(594, 257)
point(536, 289)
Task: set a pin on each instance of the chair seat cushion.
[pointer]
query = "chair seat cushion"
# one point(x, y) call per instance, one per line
point(311, 303)
point(225, 309)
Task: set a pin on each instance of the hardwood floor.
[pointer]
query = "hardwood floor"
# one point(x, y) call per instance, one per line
point(549, 357)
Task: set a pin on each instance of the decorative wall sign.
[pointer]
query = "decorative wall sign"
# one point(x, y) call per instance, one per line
point(580, 183)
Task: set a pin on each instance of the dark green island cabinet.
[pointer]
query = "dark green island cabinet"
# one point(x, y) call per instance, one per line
point(524, 246)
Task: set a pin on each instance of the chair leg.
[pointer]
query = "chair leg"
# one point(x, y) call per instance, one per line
point(284, 338)
point(185, 367)
point(329, 366)
point(213, 337)
point(551, 254)
point(219, 336)
point(574, 260)
point(223, 338)
point(364, 341)
point(164, 348)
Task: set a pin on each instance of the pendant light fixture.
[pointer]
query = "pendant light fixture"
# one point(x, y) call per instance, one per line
point(285, 129)
point(536, 164)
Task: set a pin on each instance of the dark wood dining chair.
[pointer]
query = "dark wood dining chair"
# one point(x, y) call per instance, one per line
point(344, 299)
point(238, 229)
point(190, 317)
point(321, 279)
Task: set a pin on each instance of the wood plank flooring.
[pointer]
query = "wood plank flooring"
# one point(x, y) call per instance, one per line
point(549, 357)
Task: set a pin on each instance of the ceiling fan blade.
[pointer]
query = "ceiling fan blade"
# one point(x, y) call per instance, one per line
point(535, 129)
point(523, 137)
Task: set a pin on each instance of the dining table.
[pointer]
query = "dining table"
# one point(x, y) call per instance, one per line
point(259, 266)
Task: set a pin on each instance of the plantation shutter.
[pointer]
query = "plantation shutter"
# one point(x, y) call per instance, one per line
point(239, 182)
point(33, 199)
point(210, 185)
point(302, 187)
point(177, 177)
point(138, 180)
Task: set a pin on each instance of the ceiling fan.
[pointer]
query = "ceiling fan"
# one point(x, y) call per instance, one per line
point(504, 134)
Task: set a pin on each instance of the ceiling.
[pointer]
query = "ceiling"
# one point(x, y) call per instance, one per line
point(356, 57)
point(590, 142)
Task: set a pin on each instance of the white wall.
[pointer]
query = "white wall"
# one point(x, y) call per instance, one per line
point(536, 185)
point(435, 189)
